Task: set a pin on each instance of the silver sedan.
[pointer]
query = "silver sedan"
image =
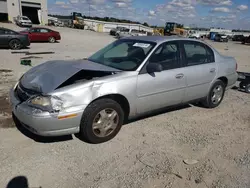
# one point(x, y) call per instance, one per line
point(124, 80)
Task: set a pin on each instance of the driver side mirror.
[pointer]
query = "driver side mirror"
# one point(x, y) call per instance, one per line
point(154, 67)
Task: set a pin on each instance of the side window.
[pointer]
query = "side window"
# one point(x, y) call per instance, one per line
point(34, 30)
point(1, 32)
point(167, 55)
point(44, 31)
point(9, 32)
point(197, 53)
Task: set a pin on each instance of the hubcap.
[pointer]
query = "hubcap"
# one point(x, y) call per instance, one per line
point(217, 94)
point(15, 45)
point(52, 39)
point(105, 122)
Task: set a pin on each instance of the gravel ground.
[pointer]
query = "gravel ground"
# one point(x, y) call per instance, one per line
point(146, 153)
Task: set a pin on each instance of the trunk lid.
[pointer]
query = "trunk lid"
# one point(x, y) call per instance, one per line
point(48, 76)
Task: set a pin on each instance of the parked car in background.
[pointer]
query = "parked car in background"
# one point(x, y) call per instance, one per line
point(131, 32)
point(124, 80)
point(221, 38)
point(13, 39)
point(114, 31)
point(39, 34)
point(246, 40)
point(23, 21)
point(195, 35)
point(238, 38)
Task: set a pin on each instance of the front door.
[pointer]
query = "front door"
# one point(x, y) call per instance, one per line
point(34, 34)
point(200, 69)
point(161, 89)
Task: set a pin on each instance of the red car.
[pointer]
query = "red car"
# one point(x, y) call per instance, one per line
point(39, 34)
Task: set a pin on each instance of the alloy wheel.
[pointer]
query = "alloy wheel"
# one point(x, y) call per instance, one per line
point(105, 122)
point(15, 44)
point(217, 94)
point(52, 39)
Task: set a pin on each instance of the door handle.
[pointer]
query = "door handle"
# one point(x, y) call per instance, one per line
point(212, 70)
point(179, 76)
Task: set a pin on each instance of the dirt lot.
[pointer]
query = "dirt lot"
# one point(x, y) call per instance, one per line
point(146, 153)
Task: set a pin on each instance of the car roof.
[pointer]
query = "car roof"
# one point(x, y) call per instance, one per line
point(6, 29)
point(40, 28)
point(159, 39)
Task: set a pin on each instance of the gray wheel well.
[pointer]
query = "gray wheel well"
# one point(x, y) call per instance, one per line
point(120, 99)
point(224, 79)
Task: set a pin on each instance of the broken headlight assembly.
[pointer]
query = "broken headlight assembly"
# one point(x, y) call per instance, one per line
point(47, 103)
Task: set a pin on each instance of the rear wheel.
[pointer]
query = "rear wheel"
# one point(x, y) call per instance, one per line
point(216, 95)
point(101, 121)
point(247, 88)
point(52, 39)
point(15, 44)
point(242, 85)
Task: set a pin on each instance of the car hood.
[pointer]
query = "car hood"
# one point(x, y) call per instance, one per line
point(48, 76)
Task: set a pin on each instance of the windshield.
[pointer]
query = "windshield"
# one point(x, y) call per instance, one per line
point(126, 54)
point(24, 18)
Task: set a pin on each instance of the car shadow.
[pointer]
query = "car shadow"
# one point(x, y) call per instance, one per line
point(38, 138)
point(37, 42)
point(144, 116)
point(7, 48)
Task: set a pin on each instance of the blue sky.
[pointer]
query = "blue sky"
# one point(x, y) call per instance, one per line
point(202, 13)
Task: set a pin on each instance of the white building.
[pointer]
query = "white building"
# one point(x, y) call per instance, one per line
point(101, 26)
point(36, 10)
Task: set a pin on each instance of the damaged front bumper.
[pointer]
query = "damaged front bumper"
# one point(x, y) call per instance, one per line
point(44, 123)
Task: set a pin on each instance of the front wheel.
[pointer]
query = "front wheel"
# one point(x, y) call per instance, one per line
point(215, 96)
point(101, 121)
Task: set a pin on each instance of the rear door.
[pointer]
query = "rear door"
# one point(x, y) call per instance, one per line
point(200, 69)
point(44, 34)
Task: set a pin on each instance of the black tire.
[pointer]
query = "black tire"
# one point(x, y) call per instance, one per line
point(242, 85)
point(86, 127)
point(207, 102)
point(52, 39)
point(15, 44)
point(247, 88)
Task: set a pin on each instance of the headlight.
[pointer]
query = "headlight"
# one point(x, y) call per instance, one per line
point(50, 103)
